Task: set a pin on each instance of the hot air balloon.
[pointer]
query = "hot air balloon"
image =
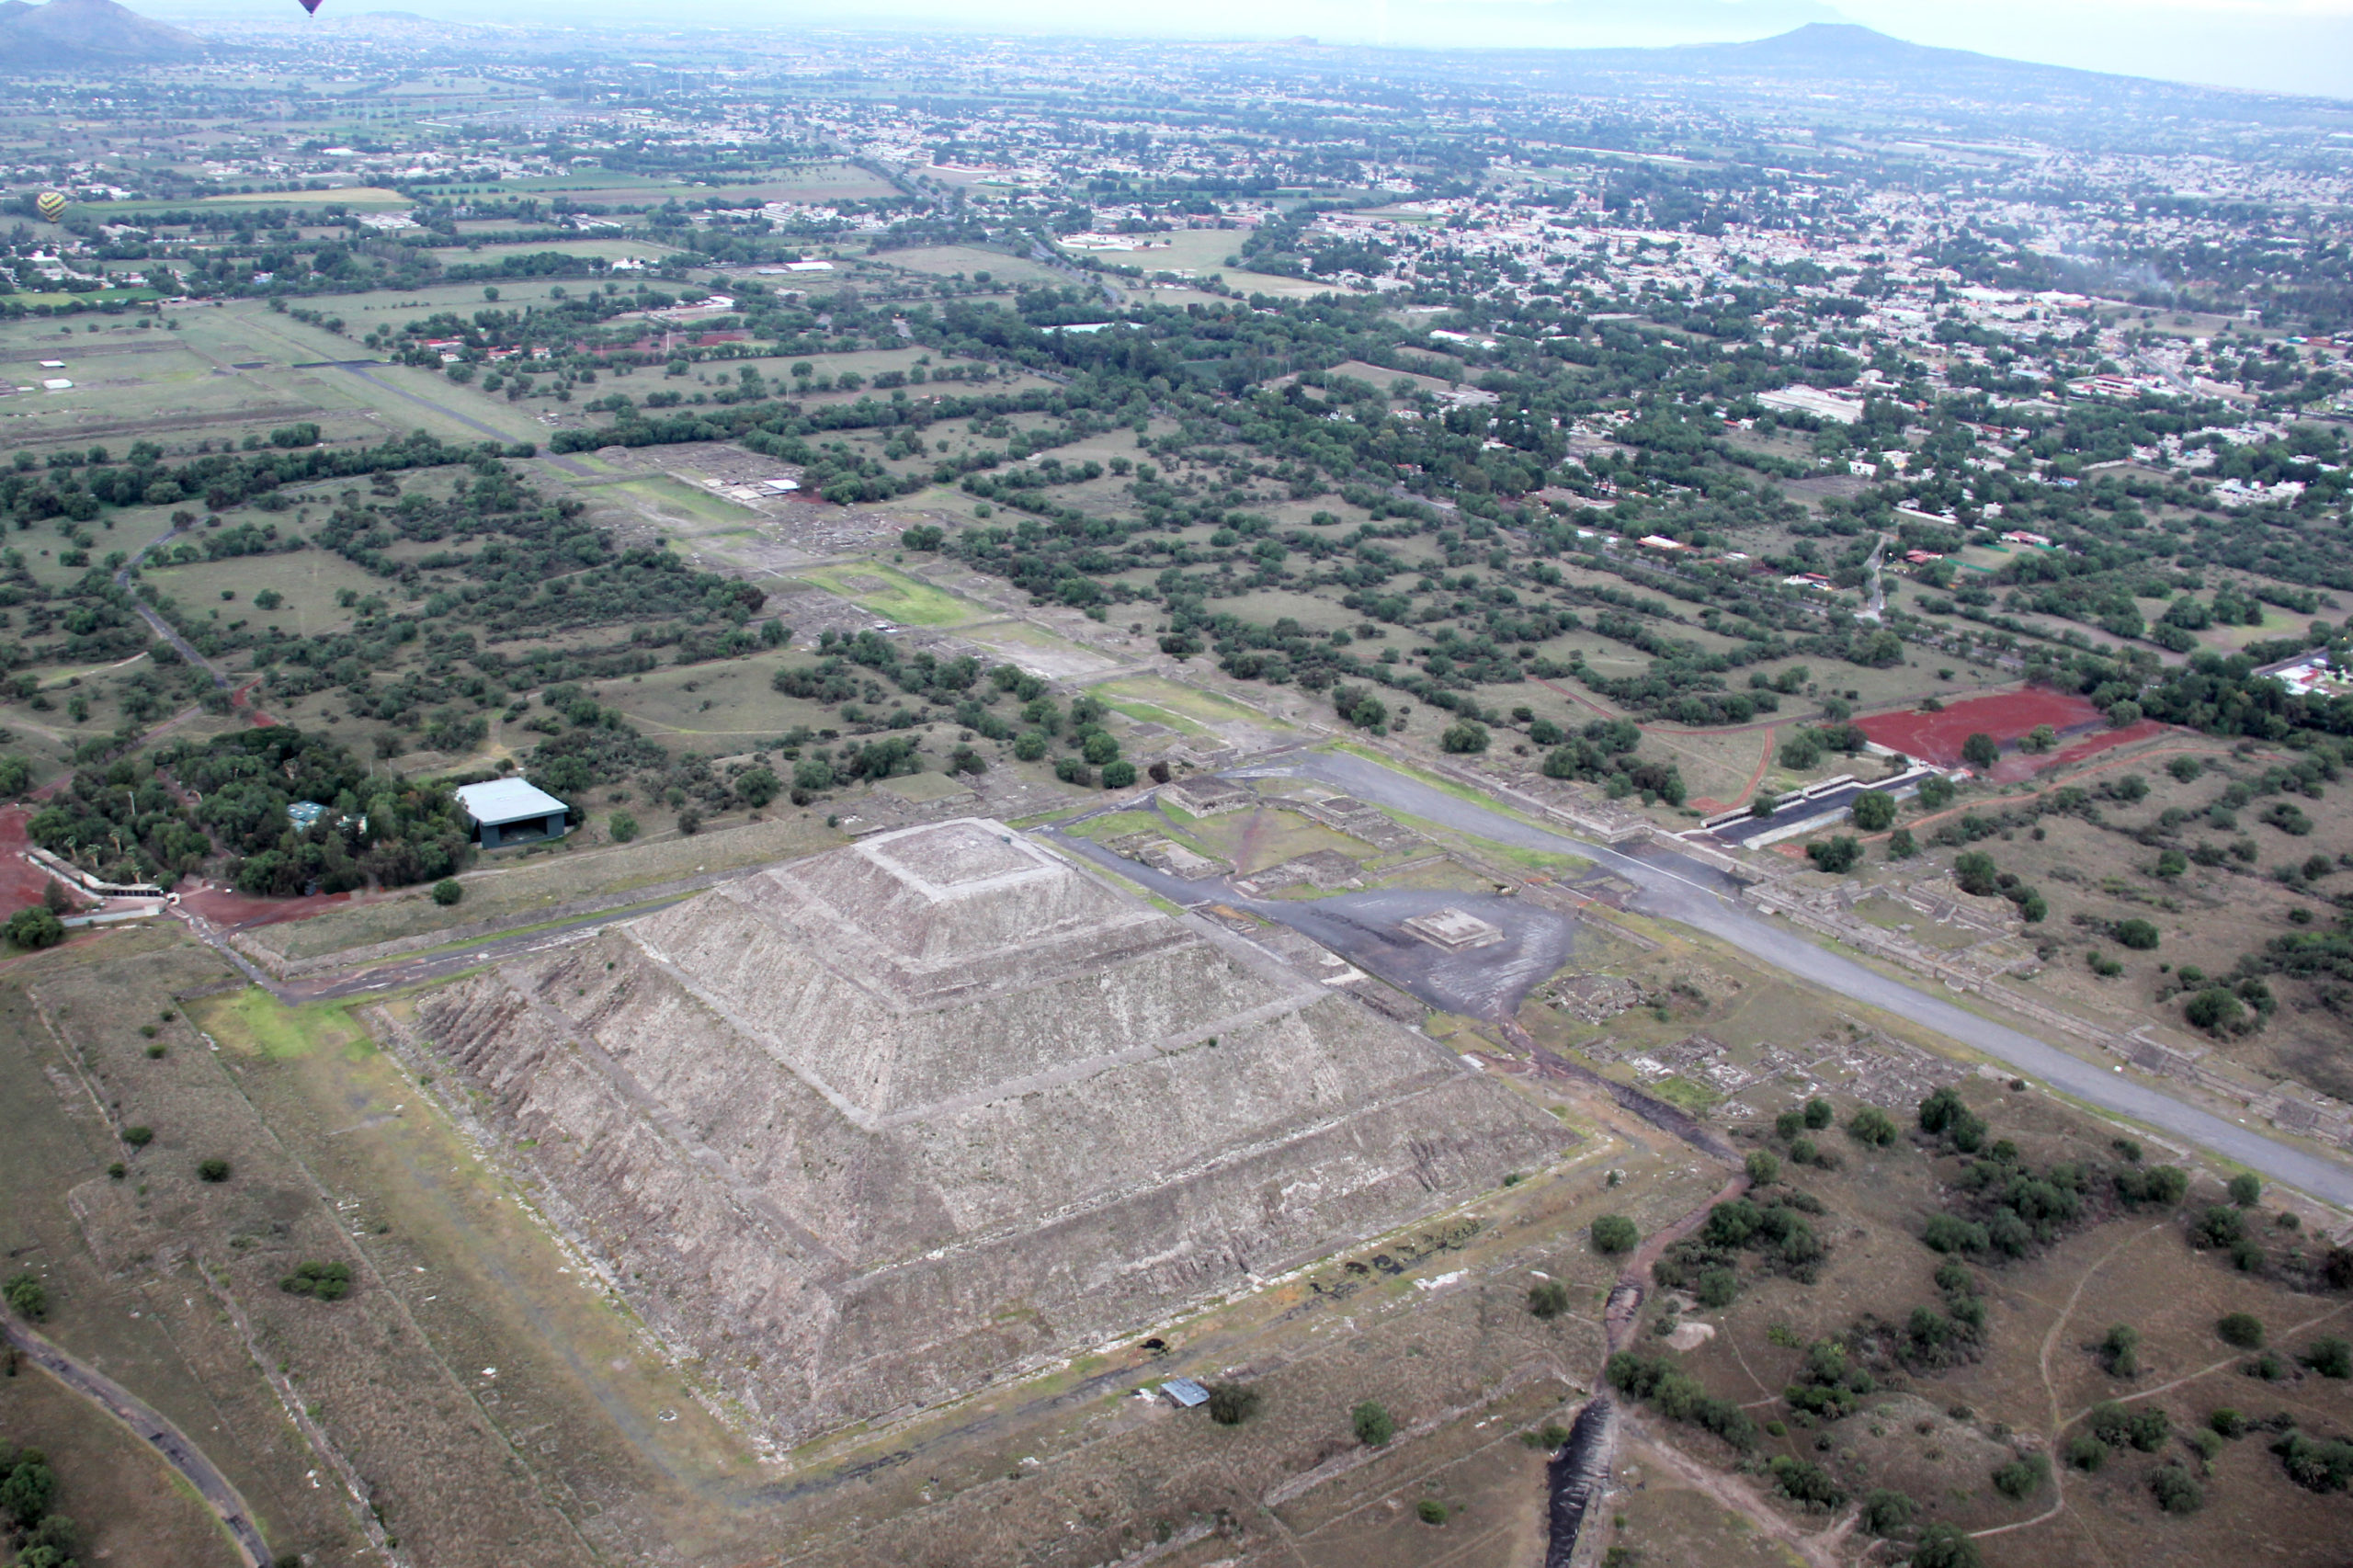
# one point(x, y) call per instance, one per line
point(311, 7)
point(50, 206)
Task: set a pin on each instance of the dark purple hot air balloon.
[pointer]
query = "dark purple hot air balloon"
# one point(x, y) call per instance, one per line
point(311, 6)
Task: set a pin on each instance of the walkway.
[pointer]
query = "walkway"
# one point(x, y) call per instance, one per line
point(151, 1428)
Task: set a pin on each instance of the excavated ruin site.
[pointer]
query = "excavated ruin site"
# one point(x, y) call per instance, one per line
point(870, 1130)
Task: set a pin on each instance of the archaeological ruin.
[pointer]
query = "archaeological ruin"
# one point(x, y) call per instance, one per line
point(867, 1131)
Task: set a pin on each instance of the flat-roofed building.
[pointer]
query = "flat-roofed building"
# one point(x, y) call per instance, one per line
point(509, 811)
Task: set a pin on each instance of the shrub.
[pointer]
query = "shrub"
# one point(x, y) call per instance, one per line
point(1886, 1511)
point(2317, 1466)
point(2247, 1189)
point(1373, 1425)
point(757, 786)
point(1232, 1404)
point(1463, 737)
point(1819, 1114)
point(35, 927)
point(2244, 1330)
point(2139, 934)
point(2330, 1357)
point(448, 891)
point(1836, 856)
point(2121, 1351)
point(2175, 1492)
point(690, 821)
point(1871, 1126)
point(1613, 1234)
point(1548, 1299)
point(1806, 1482)
point(139, 1137)
point(213, 1170)
point(26, 1296)
point(1945, 1546)
point(1660, 1382)
point(326, 1281)
point(2145, 1427)
point(2022, 1477)
point(1430, 1511)
point(2085, 1452)
point(2213, 1010)
point(621, 827)
point(2228, 1422)
point(1764, 1166)
point(1950, 1233)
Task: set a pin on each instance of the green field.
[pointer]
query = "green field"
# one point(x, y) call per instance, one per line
point(894, 595)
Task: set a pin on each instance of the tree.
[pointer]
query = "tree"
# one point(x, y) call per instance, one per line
point(1945, 1546)
point(1546, 1300)
point(448, 891)
point(1119, 774)
point(1872, 1126)
point(1874, 811)
point(1373, 1425)
point(2214, 1010)
point(1901, 845)
point(28, 1297)
point(1764, 1166)
point(1232, 1404)
point(2247, 1189)
point(2121, 1351)
point(1980, 750)
point(1838, 855)
point(1613, 1234)
point(1886, 1511)
point(1463, 737)
point(212, 1170)
point(2175, 1492)
point(35, 927)
point(2039, 739)
point(1819, 1113)
point(2241, 1330)
point(2139, 934)
point(621, 827)
point(2330, 1357)
point(757, 786)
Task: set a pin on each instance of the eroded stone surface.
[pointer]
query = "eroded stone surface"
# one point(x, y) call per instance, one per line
point(869, 1128)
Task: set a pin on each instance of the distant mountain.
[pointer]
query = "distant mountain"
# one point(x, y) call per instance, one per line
point(87, 32)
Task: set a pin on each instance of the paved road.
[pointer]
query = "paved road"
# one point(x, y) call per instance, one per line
point(1676, 888)
point(151, 1428)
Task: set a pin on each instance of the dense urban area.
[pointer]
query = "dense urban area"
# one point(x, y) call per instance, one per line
point(838, 797)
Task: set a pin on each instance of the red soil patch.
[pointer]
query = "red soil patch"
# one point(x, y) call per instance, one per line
point(20, 882)
point(226, 907)
point(2018, 765)
point(2006, 716)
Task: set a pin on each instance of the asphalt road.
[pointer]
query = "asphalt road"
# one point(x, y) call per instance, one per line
point(1676, 888)
point(161, 1435)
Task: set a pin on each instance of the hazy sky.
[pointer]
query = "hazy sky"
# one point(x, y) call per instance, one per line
point(2296, 46)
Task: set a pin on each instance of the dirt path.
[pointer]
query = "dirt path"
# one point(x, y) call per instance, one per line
point(167, 1440)
point(2051, 1388)
point(1818, 1549)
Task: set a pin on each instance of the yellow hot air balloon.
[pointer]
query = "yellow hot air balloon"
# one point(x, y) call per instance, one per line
point(51, 205)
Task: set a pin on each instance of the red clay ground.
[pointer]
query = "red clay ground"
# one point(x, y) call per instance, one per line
point(20, 882)
point(2018, 765)
point(2006, 716)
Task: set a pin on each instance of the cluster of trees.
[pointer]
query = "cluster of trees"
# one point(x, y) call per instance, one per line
point(39, 1538)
